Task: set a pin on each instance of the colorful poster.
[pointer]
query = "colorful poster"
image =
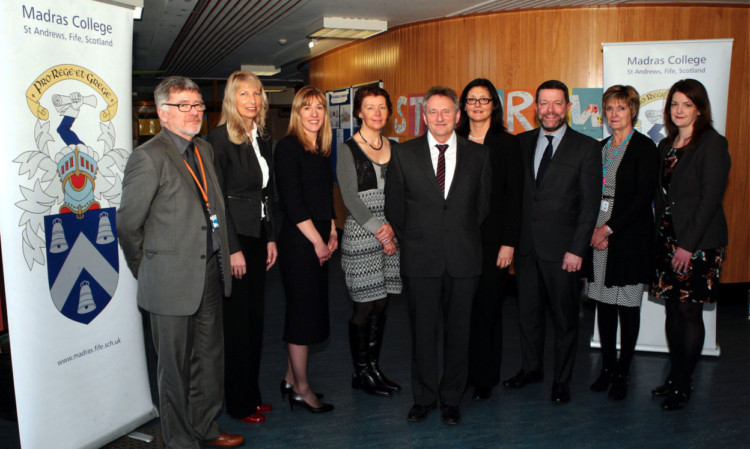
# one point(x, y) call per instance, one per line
point(78, 351)
point(585, 111)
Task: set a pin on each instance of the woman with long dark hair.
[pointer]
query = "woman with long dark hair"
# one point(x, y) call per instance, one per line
point(482, 122)
point(691, 230)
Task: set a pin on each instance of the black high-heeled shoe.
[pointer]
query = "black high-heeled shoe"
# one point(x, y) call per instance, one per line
point(619, 389)
point(294, 398)
point(603, 381)
point(676, 399)
point(287, 388)
point(664, 389)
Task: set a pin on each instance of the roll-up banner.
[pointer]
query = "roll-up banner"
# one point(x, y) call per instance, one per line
point(75, 330)
point(652, 68)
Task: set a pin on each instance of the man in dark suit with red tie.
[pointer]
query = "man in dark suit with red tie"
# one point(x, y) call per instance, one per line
point(561, 193)
point(437, 193)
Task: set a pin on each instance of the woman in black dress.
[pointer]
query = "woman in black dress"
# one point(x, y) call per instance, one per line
point(242, 156)
point(307, 239)
point(691, 230)
point(482, 122)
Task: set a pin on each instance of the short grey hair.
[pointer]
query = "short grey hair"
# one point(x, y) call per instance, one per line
point(443, 91)
point(170, 85)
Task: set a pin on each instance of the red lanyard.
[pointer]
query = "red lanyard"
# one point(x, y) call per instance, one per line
point(203, 187)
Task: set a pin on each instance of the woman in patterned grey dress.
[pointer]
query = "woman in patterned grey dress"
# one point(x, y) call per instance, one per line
point(369, 253)
point(622, 241)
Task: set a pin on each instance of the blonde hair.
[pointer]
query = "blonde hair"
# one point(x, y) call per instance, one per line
point(229, 115)
point(305, 97)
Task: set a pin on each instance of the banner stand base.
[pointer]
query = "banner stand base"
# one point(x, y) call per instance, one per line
point(140, 436)
point(715, 351)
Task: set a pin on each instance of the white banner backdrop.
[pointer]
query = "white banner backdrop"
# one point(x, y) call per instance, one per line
point(75, 330)
point(652, 68)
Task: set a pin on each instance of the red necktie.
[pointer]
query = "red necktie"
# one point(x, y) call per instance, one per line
point(440, 174)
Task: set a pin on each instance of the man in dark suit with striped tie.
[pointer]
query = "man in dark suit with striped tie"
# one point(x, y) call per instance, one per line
point(437, 193)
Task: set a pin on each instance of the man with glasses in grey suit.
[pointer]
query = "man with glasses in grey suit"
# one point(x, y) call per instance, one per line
point(171, 226)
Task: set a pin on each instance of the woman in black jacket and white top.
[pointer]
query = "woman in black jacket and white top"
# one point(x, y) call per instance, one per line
point(244, 166)
point(691, 229)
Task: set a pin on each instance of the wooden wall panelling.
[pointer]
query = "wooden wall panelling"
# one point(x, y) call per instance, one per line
point(520, 49)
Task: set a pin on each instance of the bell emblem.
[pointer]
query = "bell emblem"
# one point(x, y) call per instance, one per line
point(85, 299)
point(104, 234)
point(59, 244)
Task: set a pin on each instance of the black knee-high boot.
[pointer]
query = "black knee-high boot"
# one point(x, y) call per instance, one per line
point(363, 378)
point(377, 327)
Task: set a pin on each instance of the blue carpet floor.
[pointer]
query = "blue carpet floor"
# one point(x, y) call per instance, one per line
point(718, 415)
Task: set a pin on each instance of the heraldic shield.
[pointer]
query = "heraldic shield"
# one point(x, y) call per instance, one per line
point(82, 262)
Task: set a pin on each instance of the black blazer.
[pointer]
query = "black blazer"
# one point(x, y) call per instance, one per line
point(241, 181)
point(560, 215)
point(436, 234)
point(630, 256)
point(503, 223)
point(695, 193)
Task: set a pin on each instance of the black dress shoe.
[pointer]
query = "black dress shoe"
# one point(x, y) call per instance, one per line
point(602, 382)
point(419, 412)
point(664, 389)
point(481, 394)
point(295, 399)
point(676, 400)
point(523, 378)
point(560, 393)
point(451, 415)
point(619, 387)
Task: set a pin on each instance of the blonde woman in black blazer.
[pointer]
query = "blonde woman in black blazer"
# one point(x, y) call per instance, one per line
point(244, 165)
point(691, 230)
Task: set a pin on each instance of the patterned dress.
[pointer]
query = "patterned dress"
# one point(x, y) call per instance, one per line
point(369, 273)
point(700, 282)
point(626, 295)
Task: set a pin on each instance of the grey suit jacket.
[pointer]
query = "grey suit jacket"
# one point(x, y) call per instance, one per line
point(162, 228)
point(438, 234)
point(560, 215)
point(695, 193)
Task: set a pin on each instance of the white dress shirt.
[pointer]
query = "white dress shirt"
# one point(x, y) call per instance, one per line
point(262, 162)
point(450, 158)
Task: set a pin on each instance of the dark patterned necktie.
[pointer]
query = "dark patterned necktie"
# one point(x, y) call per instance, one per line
point(546, 160)
point(440, 174)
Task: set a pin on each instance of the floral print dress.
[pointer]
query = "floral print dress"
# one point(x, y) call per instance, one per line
point(701, 280)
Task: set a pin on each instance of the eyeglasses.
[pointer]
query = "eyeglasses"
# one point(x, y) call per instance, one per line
point(184, 107)
point(480, 100)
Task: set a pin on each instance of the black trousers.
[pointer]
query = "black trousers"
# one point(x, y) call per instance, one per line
point(243, 330)
point(544, 284)
point(486, 339)
point(430, 301)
